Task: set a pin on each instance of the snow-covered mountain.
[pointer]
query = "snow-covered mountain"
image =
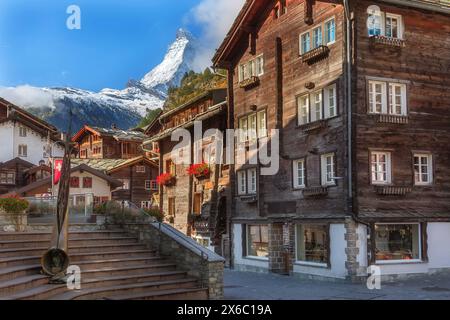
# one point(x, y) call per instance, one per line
point(123, 108)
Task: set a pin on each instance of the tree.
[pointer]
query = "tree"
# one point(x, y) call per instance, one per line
point(149, 117)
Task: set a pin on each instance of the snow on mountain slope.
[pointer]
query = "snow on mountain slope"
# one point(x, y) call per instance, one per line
point(123, 108)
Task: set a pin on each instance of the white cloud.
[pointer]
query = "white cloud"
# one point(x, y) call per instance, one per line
point(215, 18)
point(27, 96)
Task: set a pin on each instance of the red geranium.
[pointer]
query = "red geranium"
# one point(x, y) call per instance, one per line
point(164, 179)
point(198, 169)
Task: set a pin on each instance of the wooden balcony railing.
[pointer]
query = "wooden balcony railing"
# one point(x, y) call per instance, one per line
point(315, 55)
point(313, 126)
point(386, 118)
point(315, 192)
point(249, 83)
point(393, 190)
point(387, 41)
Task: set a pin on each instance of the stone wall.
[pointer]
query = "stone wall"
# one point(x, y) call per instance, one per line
point(281, 248)
point(13, 222)
point(185, 252)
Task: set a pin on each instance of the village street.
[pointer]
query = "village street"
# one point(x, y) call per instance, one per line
point(257, 286)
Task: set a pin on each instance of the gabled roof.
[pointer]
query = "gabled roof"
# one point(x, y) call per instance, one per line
point(16, 161)
point(18, 114)
point(118, 134)
point(111, 165)
point(153, 124)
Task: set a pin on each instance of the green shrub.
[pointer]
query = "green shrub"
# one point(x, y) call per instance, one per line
point(156, 213)
point(14, 205)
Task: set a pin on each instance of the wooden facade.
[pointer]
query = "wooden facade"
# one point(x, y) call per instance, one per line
point(13, 175)
point(397, 73)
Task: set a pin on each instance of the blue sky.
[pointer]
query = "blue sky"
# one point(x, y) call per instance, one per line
point(118, 40)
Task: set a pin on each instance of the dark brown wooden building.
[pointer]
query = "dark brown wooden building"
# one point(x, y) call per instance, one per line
point(360, 93)
point(13, 174)
point(103, 143)
point(195, 204)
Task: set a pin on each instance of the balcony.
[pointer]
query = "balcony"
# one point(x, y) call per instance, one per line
point(315, 192)
point(315, 55)
point(387, 41)
point(313, 126)
point(250, 199)
point(249, 83)
point(393, 190)
point(386, 118)
point(200, 224)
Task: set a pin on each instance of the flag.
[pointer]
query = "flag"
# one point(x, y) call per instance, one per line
point(57, 169)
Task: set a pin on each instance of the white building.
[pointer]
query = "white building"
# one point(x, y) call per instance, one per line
point(25, 136)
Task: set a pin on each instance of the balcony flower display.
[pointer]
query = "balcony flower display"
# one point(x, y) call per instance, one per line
point(201, 170)
point(166, 179)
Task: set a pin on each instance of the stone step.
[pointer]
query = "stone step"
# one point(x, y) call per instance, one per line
point(4, 236)
point(175, 294)
point(72, 242)
point(134, 269)
point(11, 287)
point(117, 263)
point(129, 289)
point(7, 274)
point(20, 252)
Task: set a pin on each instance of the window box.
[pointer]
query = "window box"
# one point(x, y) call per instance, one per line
point(314, 126)
point(315, 55)
point(249, 199)
point(200, 171)
point(384, 118)
point(315, 192)
point(249, 83)
point(387, 41)
point(393, 190)
point(166, 179)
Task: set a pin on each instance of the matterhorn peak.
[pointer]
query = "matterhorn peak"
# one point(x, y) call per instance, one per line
point(184, 34)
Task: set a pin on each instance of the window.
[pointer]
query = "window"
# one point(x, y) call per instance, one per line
point(252, 68)
point(87, 183)
point(22, 131)
point(242, 183)
point(197, 205)
point(381, 167)
point(170, 167)
point(148, 185)
point(252, 180)
point(7, 177)
point(330, 101)
point(305, 41)
point(299, 173)
point(74, 182)
point(140, 169)
point(397, 99)
point(385, 24)
point(303, 109)
point(154, 185)
point(398, 242)
point(23, 150)
point(253, 126)
point(312, 243)
point(317, 37)
point(258, 241)
point(328, 170)
point(146, 204)
point(316, 112)
point(125, 184)
point(377, 97)
point(171, 206)
point(423, 169)
point(330, 31)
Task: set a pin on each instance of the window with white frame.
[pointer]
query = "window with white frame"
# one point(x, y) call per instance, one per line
point(381, 167)
point(387, 98)
point(242, 182)
point(146, 204)
point(148, 185)
point(319, 105)
point(328, 169)
point(257, 241)
point(252, 181)
point(253, 126)
point(22, 131)
point(321, 35)
point(312, 244)
point(7, 177)
point(125, 184)
point(385, 24)
point(23, 150)
point(252, 68)
point(398, 242)
point(423, 169)
point(140, 169)
point(299, 174)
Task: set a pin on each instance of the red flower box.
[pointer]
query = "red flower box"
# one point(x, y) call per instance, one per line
point(166, 179)
point(201, 170)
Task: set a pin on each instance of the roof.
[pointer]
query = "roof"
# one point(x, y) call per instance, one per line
point(118, 134)
point(199, 97)
point(254, 10)
point(111, 165)
point(28, 119)
point(212, 111)
point(16, 161)
point(37, 168)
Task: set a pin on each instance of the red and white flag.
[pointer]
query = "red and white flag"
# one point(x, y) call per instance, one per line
point(57, 169)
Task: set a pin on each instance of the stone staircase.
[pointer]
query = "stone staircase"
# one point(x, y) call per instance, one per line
point(114, 266)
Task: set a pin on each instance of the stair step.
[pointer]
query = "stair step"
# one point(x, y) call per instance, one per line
point(135, 269)
point(175, 294)
point(4, 236)
point(19, 261)
point(10, 273)
point(22, 283)
point(105, 292)
point(10, 244)
point(76, 257)
point(114, 263)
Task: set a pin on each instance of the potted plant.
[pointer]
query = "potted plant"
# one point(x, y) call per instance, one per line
point(156, 213)
point(13, 209)
point(166, 179)
point(200, 171)
point(99, 214)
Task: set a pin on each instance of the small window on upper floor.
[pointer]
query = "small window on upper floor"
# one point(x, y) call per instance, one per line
point(387, 98)
point(22, 131)
point(322, 35)
point(280, 9)
point(319, 105)
point(252, 68)
point(384, 24)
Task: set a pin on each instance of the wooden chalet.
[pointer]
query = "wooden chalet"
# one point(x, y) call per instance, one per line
point(360, 93)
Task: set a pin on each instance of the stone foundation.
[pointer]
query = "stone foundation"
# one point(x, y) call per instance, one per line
point(13, 222)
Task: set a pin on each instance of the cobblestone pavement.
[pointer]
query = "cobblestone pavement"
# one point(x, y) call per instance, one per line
point(260, 286)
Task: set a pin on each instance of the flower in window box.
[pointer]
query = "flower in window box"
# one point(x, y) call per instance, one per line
point(165, 179)
point(199, 171)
